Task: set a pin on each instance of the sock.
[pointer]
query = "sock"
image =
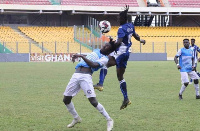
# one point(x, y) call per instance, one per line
point(196, 86)
point(102, 110)
point(123, 88)
point(182, 89)
point(72, 110)
point(102, 75)
point(198, 73)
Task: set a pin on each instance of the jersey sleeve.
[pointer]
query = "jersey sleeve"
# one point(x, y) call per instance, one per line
point(198, 49)
point(120, 32)
point(102, 61)
point(178, 53)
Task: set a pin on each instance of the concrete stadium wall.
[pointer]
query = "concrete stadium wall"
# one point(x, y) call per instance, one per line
point(148, 57)
point(14, 57)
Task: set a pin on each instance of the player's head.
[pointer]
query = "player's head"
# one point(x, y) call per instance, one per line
point(192, 41)
point(123, 17)
point(107, 48)
point(186, 43)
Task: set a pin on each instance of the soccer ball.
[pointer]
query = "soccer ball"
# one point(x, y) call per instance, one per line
point(104, 26)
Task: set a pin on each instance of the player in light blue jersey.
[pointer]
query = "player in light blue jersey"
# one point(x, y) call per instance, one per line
point(186, 66)
point(82, 79)
point(196, 49)
point(124, 34)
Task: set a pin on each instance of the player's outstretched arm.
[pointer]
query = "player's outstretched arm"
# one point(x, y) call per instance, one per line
point(89, 62)
point(176, 62)
point(118, 42)
point(198, 49)
point(137, 37)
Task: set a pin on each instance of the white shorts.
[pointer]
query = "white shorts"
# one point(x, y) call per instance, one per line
point(184, 76)
point(104, 67)
point(122, 50)
point(80, 81)
point(112, 53)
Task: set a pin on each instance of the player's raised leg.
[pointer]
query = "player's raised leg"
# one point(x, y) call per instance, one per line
point(102, 75)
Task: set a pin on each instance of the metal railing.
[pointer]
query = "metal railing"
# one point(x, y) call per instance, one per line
point(170, 48)
point(43, 47)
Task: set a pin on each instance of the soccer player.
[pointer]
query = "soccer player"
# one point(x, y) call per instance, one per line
point(82, 79)
point(103, 73)
point(187, 66)
point(196, 49)
point(124, 34)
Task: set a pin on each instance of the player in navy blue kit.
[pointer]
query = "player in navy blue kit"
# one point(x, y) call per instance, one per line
point(187, 66)
point(196, 49)
point(124, 34)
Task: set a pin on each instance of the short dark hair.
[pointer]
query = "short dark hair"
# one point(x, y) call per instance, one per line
point(193, 39)
point(185, 39)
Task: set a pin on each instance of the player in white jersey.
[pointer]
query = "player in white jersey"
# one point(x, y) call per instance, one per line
point(196, 49)
point(186, 66)
point(82, 79)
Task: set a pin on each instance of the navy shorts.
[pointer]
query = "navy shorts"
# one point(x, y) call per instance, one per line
point(121, 60)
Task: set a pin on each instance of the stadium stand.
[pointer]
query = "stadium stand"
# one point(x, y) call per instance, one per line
point(121, 3)
point(14, 42)
point(161, 39)
point(185, 3)
point(26, 2)
point(60, 39)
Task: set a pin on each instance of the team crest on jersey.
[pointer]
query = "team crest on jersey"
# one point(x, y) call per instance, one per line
point(89, 91)
point(129, 29)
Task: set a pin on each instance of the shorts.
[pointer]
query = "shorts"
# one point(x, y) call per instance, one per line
point(184, 76)
point(122, 57)
point(121, 61)
point(80, 81)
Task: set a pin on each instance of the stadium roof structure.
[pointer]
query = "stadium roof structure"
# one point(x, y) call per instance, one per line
point(104, 10)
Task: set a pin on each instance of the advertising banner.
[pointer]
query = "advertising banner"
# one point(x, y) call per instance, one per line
point(51, 57)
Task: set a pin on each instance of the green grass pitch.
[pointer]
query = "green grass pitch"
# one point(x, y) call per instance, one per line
point(31, 99)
